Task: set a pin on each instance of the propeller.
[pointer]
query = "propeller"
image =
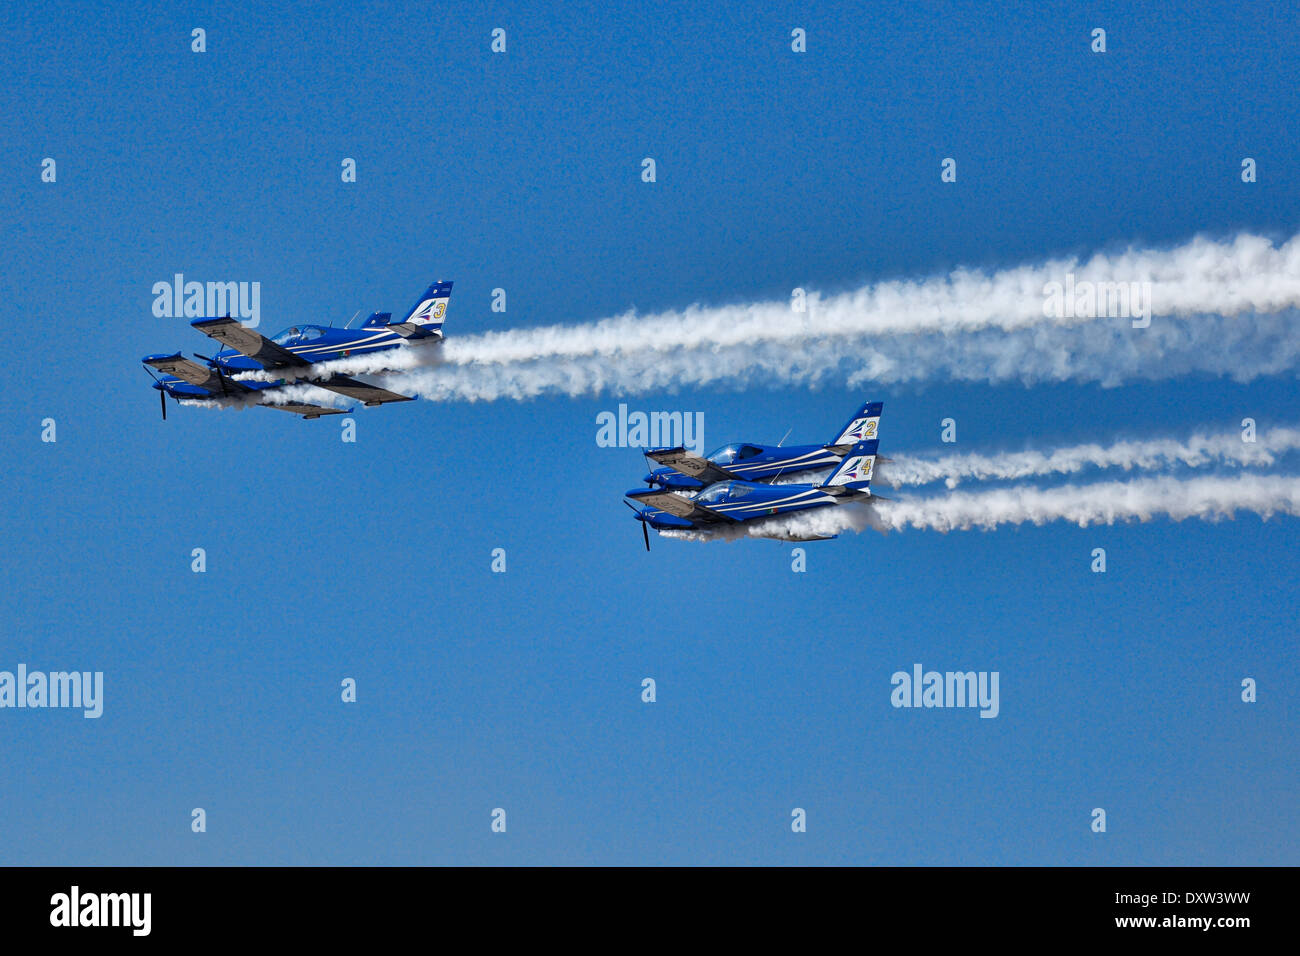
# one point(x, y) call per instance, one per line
point(645, 529)
point(216, 367)
point(162, 392)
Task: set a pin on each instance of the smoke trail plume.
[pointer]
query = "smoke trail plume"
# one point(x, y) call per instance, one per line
point(285, 395)
point(1209, 499)
point(1220, 308)
point(1247, 274)
point(1225, 448)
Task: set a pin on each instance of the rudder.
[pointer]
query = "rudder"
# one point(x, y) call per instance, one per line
point(856, 469)
point(426, 316)
point(863, 426)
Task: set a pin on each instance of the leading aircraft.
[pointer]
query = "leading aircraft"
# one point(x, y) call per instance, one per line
point(294, 352)
point(726, 504)
point(763, 463)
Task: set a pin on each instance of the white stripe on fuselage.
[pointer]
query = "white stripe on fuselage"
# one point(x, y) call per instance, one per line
point(800, 460)
point(741, 506)
point(800, 463)
point(379, 338)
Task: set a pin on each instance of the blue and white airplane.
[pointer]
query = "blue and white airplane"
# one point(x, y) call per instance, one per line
point(726, 503)
point(763, 463)
point(294, 352)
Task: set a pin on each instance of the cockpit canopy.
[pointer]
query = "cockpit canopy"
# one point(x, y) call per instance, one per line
point(733, 453)
point(715, 492)
point(297, 334)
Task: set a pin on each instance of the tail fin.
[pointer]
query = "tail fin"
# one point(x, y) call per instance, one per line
point(856, 469)
point(863, 426)
point(426, 316)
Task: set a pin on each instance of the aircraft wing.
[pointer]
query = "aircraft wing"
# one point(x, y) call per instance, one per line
point(679, 459)
point(256, 346)
point(784, 536)
point(195, 374)
point(361, 391)
point(307, 411)
point(677, 505)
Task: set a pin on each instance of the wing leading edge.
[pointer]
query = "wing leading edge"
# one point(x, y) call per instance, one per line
point(255, 345)
point(675, 504)
point(693, 466)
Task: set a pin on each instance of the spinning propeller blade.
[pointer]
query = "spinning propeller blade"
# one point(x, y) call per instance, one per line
point(216, 367)
point(162, 392)
point(645, 530)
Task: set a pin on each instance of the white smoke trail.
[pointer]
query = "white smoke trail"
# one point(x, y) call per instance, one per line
point(1207, 498)
point(285, 395)
point(1247, 274)
point(1222, 309)
point(306, 394)
point(1242, 349)
point(1195, 452)
point(407, 356)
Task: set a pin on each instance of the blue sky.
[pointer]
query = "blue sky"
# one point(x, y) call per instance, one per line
point(521, 690)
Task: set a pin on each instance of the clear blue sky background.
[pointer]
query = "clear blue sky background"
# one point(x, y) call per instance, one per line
point(521, 690)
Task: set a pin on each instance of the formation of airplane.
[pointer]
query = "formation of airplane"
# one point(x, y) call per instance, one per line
point(711, 495)
point(294, 352)
point(738, 483)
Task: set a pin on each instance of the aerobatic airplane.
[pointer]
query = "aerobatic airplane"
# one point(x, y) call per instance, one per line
point(763, 463)
point(726, 503)
point(294, 352)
